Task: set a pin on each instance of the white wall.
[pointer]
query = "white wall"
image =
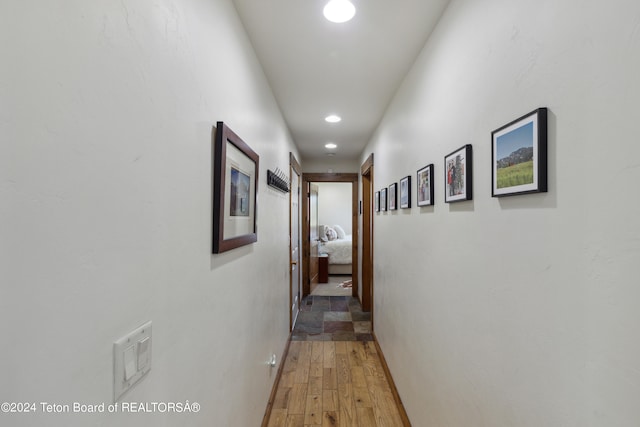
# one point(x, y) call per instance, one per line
point(331, 165)
point(517, 311)
point(106, 119)
point(334, 204)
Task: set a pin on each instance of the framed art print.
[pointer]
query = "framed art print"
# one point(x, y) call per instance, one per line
point(235, 190)
point(376, 201)
point(405, 192)
point(383, 200)
point(425, 186)
point(393, 196)
point(458, 172)
point(519, 156)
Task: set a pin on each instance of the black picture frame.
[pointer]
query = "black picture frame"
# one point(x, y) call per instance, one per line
point(235, 191)
point(424, 186)
point(393, 196)
point(383, 200)
point(519, 156)
point(405, 192)
point(458, 175)
point(376, 201)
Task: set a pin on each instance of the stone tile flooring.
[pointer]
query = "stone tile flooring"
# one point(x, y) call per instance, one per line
point(332, 318)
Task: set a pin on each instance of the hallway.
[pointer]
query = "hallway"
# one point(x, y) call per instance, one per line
point(334, 374)
point(334, 383)
point(329, 383)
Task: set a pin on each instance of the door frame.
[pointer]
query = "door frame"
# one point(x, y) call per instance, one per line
point(366, 171)
point(294, 168)
point(308, 178)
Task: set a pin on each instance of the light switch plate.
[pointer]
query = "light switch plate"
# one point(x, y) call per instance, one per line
point(131, 359)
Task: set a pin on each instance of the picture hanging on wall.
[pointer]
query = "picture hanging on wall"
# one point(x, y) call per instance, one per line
point(458, 172)
point(519, 156)
point(393, 196)
point(376, 201)
point(425, 186)
point(383, 200)
point(405, 192)
point(235, 189)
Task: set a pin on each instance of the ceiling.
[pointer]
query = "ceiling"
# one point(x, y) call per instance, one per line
point(317, 68)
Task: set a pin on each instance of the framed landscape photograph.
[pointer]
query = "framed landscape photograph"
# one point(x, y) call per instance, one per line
point(425, 185)
point(235, 189)
point(383, 200)
point(458, 172)
point(393, 196)
point(376, 201)
point(519, 156)
point(405, 192)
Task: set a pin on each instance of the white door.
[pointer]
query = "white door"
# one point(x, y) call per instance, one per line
point(296, 282)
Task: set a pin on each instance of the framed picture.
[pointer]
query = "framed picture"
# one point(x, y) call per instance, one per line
point(425, 186)
point(383, 200)
point(235, 190)
point(376, 201)
point(458, 172)
point(405, 192)
point(393, 196)
point(519, 156)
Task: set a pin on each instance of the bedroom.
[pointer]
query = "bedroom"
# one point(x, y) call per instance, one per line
point(335, 234)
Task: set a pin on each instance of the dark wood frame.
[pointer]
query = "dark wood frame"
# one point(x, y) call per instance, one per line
point(468, 174)
point(430, 189)
point(223, 135)
point(329, 177)
point(539, 119)
point(408, 205)
point(393, 187)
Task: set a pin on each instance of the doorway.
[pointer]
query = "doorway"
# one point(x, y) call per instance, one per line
point(310, 228)
point(366, 172)
point(295, 277)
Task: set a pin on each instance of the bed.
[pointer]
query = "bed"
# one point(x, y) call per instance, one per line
point(339, 249)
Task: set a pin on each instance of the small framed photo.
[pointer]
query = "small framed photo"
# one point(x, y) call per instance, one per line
point(425, 186)
point(519, 156)
point(393, 196)
point(376, 201)
point(458, 172)
point(235, 190)
point(383, 200)
point(405, 192)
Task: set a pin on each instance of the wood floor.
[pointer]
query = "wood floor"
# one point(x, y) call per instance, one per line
point(334, 383)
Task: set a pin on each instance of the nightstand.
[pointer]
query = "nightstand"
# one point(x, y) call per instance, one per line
point(323, 268)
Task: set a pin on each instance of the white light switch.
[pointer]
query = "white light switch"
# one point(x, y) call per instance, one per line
point(131, 359)
point(143, 353)
point(129, 362)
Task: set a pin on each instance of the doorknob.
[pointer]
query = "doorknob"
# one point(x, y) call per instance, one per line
point(294, 262)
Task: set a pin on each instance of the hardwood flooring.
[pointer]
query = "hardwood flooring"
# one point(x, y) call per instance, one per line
point(334, 383)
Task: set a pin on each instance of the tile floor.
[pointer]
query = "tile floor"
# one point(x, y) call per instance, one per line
point(332, 318)
point(332, 288)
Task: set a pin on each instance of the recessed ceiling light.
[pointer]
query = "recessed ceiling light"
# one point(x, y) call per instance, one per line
point(331, 145)
point(339, 11)
point(333, 118)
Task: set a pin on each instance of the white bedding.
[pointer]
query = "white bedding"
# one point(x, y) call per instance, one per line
point(339, 251)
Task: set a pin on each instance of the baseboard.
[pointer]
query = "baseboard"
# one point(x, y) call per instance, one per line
point(394, 390)
point(274, 390)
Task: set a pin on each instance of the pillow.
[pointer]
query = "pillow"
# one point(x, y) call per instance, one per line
point(339, 231)
point(331, 234)
point(322, 231)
